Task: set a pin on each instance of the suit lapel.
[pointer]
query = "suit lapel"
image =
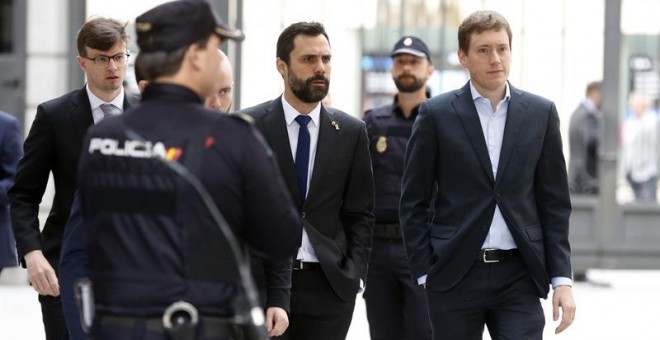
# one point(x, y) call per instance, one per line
point(275, 131)
point(81, 113)
point(324, 150)
point(515, 119)
point(130, 100)
point(467, 112)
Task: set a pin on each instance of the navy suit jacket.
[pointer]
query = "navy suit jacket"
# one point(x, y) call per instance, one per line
point(447, 148)
point(338, 210)
point(11, 151)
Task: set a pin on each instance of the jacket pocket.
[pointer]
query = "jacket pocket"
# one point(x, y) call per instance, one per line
point(442, 231)
point(534, 232)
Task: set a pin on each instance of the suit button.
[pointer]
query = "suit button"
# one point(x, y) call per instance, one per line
point(485, 227)
point(303, 214)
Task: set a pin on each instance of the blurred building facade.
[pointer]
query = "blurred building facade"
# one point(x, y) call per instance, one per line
point(558, 47)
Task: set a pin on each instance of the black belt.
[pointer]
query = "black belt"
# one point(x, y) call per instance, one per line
point(386, 230)
point(497, 255)
point(211, 327)
point(299, 265)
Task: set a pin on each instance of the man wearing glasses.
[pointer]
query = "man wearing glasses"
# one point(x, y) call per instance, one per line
point(53, 145)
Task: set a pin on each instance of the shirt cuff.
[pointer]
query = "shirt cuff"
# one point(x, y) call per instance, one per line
point(421, 280)
point(561, 281)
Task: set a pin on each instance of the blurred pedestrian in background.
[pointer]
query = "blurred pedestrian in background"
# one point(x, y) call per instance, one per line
point(640, 148)
point(584, 140)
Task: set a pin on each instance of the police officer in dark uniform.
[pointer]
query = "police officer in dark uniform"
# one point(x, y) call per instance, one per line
point(396, 305)
point(160, 267)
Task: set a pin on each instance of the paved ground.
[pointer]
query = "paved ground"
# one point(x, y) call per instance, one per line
point(628, 310)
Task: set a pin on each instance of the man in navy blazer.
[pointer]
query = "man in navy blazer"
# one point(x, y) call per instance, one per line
point(499, 236)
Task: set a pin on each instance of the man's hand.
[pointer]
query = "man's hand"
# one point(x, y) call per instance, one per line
point(41, 274)
point(277, 321)
point(563, 297)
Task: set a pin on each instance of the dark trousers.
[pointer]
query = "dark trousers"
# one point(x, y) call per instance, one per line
point(125, 328)
point(396, 305)
point(500, 295)
point(316, 311)
point(53, 318)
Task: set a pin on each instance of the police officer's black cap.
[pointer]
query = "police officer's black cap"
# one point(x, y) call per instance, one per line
point(180, 23)
point(412, 45)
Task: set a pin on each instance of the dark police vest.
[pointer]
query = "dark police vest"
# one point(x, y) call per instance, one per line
point(388, 133)
point(150, 238)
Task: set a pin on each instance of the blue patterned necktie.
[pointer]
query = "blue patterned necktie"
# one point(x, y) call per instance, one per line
point(109, 110)
point(302, 155)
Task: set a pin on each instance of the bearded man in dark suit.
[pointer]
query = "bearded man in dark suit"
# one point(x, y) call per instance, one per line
point(324, 158)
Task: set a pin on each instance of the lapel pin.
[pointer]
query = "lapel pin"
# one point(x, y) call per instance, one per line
point(335, 125)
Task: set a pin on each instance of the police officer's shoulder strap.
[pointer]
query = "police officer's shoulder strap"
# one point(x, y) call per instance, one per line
point(243, 117)
point(383, 111)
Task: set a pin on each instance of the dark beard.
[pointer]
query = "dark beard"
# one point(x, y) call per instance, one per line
point(407, 87)
point(304, 90)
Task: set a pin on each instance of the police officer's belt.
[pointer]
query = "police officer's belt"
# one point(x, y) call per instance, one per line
point(387, 230)
point(211, 327)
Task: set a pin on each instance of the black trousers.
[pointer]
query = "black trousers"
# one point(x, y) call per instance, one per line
point(53, 318)
point(499, 295)
point(109, 327)
point(316, 311)
point(396, 304)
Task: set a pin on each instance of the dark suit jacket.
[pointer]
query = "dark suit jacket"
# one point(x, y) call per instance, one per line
point(447, 148)
point(53, 144)
point(338, 210)
point(583, 137)
point(10, 152)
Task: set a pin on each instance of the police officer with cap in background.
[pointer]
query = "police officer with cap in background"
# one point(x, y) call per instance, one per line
point(396, 305)
point(160, 266)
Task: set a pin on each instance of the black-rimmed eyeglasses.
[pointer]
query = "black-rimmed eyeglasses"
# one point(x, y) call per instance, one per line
point(104, 60)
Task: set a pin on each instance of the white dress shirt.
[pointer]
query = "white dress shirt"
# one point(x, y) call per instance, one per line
point(306, 252)
point(492, 124)
point(96, 102)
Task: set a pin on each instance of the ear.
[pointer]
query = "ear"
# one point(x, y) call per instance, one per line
point(193, 56)
point(142, 84)
point(282, 67)
point(429, 72)
point(82, 62)
point(462, 57)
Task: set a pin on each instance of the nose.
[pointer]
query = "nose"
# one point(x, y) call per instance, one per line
point(320, 67)
point(112, 64)
point(213, 101)
point(494, 58)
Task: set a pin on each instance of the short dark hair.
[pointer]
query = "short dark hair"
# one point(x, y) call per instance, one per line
point(100, 34)
point(593, 86)
point(286, 40)
point(478, 22)
point(152, 65)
